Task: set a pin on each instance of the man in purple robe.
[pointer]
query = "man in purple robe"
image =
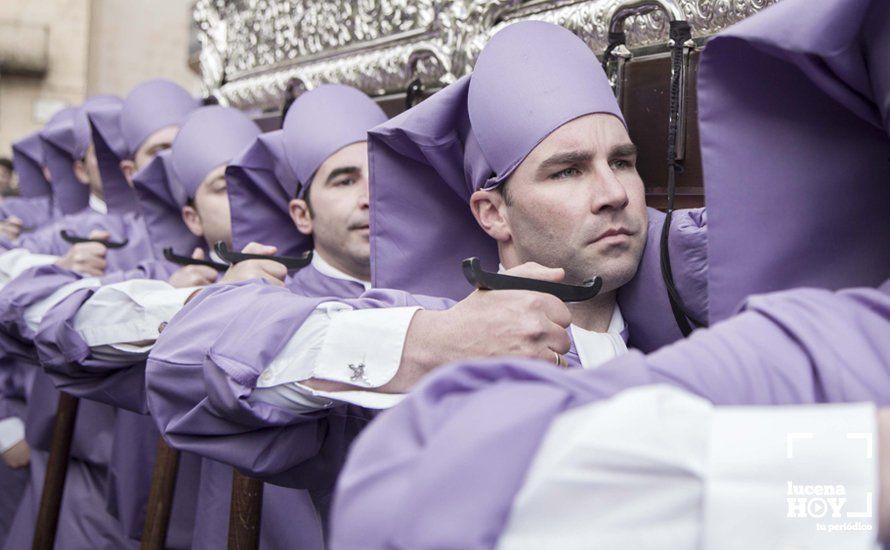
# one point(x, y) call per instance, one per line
point(32, 207)
point(209, 138)
point(509, 454)
point(149, 112)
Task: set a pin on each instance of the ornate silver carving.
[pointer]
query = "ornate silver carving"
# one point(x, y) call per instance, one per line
point(251, 49)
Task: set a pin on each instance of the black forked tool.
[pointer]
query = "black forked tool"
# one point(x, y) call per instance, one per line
point(485, 280)
point(74, 239)
point(185, 260)
point(235, 257)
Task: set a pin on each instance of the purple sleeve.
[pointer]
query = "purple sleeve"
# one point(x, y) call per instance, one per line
point(205, 366)
point(432, 459)
point(66, 358)
point(44, 240)
point(32, 286)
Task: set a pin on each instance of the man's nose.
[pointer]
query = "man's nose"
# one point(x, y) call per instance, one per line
point(607, 191)
point(364, 193)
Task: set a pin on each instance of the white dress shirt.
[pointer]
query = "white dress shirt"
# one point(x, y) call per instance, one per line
point(656, 467)
point(596, 348)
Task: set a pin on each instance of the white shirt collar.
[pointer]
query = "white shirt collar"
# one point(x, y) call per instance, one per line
point(596, 348)
point(98, 204)
point(327, 269)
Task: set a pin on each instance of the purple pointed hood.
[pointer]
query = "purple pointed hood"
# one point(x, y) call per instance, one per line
point(108, 140)
point(59, 145)
point(27, 158)
point(321, 122)
point(161, 199)
point(210, 137)
point(472, 135)
point(151, 106)
point(260, 186)
point(809, 206)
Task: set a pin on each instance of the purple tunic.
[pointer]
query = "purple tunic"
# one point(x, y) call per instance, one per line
point(197, 394)
point(12, 404)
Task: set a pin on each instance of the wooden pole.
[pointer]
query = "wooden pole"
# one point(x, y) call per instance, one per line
point(160, 498)
point(56, 470)
point(244, 516)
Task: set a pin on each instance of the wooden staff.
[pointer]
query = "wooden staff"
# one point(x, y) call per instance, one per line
point(56, 470)
point(244, 516)
point(160, 498)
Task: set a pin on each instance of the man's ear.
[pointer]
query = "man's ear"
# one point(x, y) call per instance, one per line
point(192, 220)
point(128, 167)
point(80, 172)
point(490, 211)
point(299, 213)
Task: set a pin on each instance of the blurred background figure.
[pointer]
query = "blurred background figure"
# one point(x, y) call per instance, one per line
point(8, 187)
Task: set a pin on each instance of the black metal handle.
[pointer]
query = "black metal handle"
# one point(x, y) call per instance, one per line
point(235, 257)
point(74, 239)
point(185, 260)
point(485, 280)
point(412, 93)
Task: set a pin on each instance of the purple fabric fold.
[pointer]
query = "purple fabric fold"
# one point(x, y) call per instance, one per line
point(260, 186)
point(796, 179)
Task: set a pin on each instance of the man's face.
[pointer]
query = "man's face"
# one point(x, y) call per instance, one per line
point(577, 202)
point(87, 171)
point(154, 144)
point(210, 217)
point(337, 215)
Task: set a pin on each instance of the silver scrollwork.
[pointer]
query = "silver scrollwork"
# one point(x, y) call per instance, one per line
point(252, 49)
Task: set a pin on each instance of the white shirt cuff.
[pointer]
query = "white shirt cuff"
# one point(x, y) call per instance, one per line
point(128, 316)
point(35, 313)
point(356, 347)
point(12, 430)
point(655, 467)
point(14, 262)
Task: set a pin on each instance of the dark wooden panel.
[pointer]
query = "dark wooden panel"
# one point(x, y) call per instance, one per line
point(645, 103)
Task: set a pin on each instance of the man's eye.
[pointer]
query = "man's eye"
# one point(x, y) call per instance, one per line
point(344, 182)
point(621, 164)
point(566, 173)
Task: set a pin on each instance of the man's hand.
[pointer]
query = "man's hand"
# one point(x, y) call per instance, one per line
point(87, 258)
point(487, 324)
point(11, 227)
point(273, 272)
point(193, 275)
point(18, 456)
